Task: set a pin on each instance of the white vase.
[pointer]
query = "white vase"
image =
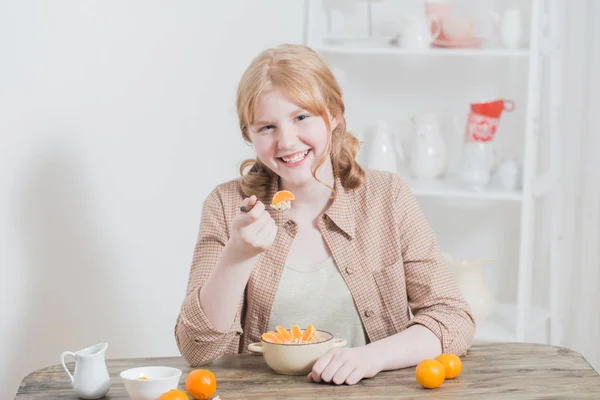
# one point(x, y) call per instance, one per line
point(428, 155)
point(382, 149)
point(469, 276)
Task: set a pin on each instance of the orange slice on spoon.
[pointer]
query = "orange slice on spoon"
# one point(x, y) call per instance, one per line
point(282, 200)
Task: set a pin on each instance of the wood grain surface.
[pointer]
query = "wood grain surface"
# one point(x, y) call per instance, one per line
point(490, 371)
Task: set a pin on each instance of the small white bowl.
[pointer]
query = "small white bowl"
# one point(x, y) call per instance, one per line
point(160, 380)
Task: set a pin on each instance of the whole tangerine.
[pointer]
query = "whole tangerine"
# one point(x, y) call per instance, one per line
point(201, 384)
point(173, 394)
point(430, 374)
point(452, 364)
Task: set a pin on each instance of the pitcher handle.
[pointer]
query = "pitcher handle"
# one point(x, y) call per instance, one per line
point(509, 105)
point(438, 28)
point(62, 360)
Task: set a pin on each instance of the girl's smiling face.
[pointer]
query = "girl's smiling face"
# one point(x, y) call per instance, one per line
point(288, 139)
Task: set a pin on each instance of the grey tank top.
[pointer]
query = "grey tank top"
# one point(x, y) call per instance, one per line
point(318, 295)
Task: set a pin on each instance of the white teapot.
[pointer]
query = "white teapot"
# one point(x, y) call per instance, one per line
point(417, 35)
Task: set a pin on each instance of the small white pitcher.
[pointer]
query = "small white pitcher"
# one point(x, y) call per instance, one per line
point(90, 380)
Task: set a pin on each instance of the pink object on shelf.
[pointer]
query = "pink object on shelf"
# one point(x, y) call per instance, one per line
point(440, 10)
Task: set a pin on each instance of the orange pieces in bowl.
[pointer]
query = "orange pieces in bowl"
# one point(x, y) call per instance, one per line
point(272, 337)
point(432, 373)
point(294, 336)
point(309, 334)
point(282, 200)
point(296, 332)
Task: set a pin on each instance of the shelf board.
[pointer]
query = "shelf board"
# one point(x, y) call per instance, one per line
point(434, 51)
point(501, 326)
point(451, 188)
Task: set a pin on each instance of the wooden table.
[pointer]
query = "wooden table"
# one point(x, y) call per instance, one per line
point(491, 371)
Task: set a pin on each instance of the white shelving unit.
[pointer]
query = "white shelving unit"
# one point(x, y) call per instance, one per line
point(518, 320)
point(432, 52)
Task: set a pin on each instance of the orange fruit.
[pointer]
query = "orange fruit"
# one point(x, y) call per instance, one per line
point(309, 334)
point(452, 364)
point(284, 335)
point(271, 337)
point(430, 373)
point(284, 195)
point(296, 333)
point(173, 394)
point(201, 384)
point(294, 336)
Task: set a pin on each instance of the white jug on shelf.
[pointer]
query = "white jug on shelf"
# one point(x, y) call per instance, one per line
point(469, 277)
point(428, 155)
point(416, 34)
point(383, 152)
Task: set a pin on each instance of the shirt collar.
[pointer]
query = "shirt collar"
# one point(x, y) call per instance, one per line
point(340, 212)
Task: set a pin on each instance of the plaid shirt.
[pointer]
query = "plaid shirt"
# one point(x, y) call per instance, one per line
point(382, 245)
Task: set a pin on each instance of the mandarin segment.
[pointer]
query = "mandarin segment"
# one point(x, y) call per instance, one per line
point(296, 333)
point(271, 337)
point(281, 196)
point(283, 334)
point(309, 334)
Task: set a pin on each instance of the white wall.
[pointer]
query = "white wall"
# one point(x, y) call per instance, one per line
point(117, 118)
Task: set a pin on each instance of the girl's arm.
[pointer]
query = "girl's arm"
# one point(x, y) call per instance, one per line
point(433, 295)
point(209, 324)
point(442, 321)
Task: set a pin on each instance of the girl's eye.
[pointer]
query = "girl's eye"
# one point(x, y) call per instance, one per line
point(301, 117)
point(266, 128)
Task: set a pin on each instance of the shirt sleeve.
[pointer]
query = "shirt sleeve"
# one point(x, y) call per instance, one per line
point(198, 341)
point(433, 295)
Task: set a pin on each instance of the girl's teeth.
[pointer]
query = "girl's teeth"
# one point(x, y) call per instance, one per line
point(296, 158)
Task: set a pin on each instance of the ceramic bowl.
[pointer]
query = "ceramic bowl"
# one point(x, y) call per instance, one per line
point(295, 359)
point(159, 380)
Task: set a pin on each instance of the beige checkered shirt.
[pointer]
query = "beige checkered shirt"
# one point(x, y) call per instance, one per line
point(380, 241)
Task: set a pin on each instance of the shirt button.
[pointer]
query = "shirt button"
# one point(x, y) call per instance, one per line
point(369, 313)
point(350, 270)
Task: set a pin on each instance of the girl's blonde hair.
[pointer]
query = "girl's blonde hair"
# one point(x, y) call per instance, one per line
point(304, 76)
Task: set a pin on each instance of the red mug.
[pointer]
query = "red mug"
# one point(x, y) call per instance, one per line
point(483, 119)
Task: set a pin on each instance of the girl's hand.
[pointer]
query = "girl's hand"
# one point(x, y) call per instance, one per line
point(253, 231)
point(345, 365)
